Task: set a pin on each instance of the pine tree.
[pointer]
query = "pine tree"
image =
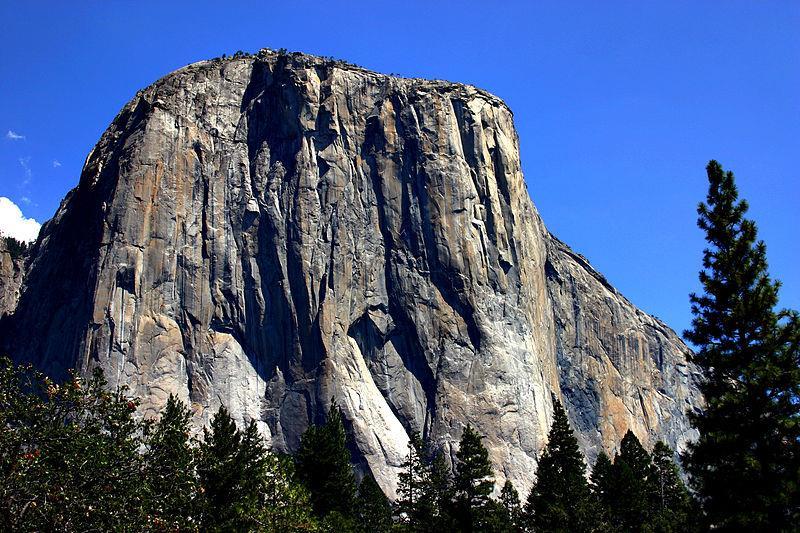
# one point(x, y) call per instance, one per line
point(373, 510)
point(425, 490)
point(633, 485)
point(512, 508)
point(746, 463)
point(472, 482)
point(602, 486)
point(323, 465)
point(285, 503)
point(441, 490)
point(671, 509)
point(560, 498)
point(414, 506)
point(230, 467)
point(169, 469)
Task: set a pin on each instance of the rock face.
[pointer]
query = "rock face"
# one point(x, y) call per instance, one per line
point(274, 231)
point(12, 271)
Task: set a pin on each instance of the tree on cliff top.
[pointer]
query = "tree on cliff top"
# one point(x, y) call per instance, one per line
point(746, 463)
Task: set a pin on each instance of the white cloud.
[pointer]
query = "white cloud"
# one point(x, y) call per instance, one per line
point(14, 224)
point(56, 163)
point(14, 136)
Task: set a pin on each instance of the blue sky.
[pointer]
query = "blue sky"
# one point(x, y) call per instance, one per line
point(619, 105)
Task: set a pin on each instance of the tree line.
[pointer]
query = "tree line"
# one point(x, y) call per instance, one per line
point(73, 457)
point(16, 248)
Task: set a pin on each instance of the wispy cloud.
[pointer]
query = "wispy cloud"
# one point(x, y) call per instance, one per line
point(14, 136)
point(23, 161)
point(14, 224)
point(56, 163)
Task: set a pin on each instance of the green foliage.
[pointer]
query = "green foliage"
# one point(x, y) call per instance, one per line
point(230, 464)
point(639, 492)
point(424, 490)
point(73, 457)
point(673, 508)
point(633, 484)
point(169, 469)
point(17, 249)
point(560, 499)
point(746, 464)
point(511, 516)
point(373, 510)
point(472, 483)
point(414, 502)
point(285, 504)
point(442, 494)
point(69, 454)
point(602, 488)
point(323, 465)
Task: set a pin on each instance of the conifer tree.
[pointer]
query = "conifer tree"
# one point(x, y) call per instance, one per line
point(425, 491)
point(323, 465)
point(230, 467)
point(441, 489)
point(512, 508)
point(560, 498)
point(285, 503)
point(414, 506)
point(472, 482)
point(746, 463)
point(671, 509)
point(633, 485)
point(373, 510)
point(169, 469)
point(602, 487)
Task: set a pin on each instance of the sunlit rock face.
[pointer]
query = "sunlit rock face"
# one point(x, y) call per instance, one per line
point(12, 272)
point(275, 231)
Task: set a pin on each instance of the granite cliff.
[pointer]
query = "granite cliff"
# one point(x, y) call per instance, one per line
point(273, 231)
point(12, 272)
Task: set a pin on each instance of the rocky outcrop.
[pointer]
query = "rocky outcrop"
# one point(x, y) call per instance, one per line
point(272, 232)
point(12, 271)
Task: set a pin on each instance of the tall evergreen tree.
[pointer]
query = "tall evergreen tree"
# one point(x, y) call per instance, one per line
point(603, 486)
point(633, 485)
point(671, 508)
point(230, 467)
point(441, 489)
point(472, 482)
point(285, 503)
point(415, 503)
point(373, 510)
point(512, 508)
point(323, 465)
point(424, 490)
point(560, 498)
point(746, 463)
point(169, 469)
